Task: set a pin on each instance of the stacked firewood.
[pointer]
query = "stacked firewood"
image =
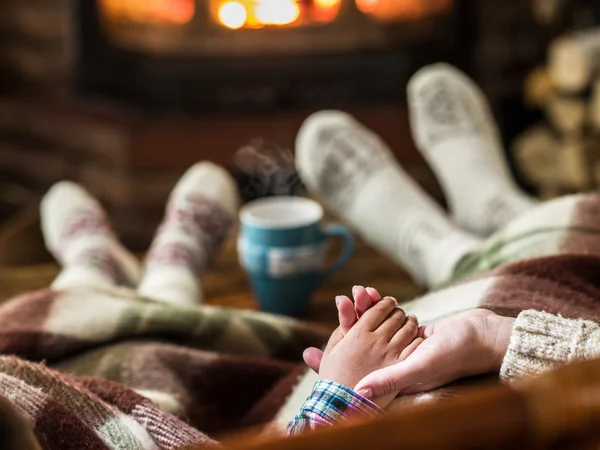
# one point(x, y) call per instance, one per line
point(35, 44)
point(561, 154)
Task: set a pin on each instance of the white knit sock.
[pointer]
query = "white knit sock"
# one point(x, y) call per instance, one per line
point(79, 236)
point(455, 130)
point(199, 215)
point(361, 181)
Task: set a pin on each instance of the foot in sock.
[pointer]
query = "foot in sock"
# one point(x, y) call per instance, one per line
point(381, 337)
point(359, 179)
point(199, 215)
point(455, 131)
point(77, 233)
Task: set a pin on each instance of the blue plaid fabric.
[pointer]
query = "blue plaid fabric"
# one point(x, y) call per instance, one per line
point(330, 403)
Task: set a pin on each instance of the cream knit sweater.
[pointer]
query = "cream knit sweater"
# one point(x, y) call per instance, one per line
point(542, 342)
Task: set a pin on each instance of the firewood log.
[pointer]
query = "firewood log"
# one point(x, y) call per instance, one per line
point(567, 114)
point(576, 159)
point(539, 88)
point(594, 108)
point(536, 152)
point(574, 59)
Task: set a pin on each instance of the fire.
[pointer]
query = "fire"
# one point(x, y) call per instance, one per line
point(328, 3)
point(236, 14)
point(390, 10)
point(233, 15)
point(176, 12)
point(277, 12)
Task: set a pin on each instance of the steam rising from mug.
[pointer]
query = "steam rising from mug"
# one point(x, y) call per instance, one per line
point(269, 168)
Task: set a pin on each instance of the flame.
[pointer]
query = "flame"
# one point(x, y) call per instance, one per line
point(390, 10)
point(152, 11)
point(328, 3)
point(326, 10)
point(258, 13)
point(233, 15)
point(367, 6)
point(277, 12)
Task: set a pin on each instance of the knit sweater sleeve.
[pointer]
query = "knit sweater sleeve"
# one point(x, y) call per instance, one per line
point(542, 342)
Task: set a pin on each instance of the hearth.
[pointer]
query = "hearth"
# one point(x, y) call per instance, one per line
point(259, 54)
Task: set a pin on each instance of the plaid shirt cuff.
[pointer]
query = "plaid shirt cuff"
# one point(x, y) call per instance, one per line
point(330, 403)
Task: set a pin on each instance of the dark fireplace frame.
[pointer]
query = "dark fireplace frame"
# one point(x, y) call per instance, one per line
point(269, 83)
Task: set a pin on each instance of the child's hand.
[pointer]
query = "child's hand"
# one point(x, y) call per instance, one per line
point(382, 337)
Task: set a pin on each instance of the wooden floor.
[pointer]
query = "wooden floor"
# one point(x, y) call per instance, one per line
point(226, 284)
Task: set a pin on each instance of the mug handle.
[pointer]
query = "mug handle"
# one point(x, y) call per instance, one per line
point(336, 229)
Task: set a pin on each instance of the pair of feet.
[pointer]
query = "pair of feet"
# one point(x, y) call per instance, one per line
point(200, 212)
point(358, 177)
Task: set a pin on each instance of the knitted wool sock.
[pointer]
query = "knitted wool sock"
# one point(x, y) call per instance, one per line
point(79, 236)
point(456, 132)
point(199, 215)
point(360, 180)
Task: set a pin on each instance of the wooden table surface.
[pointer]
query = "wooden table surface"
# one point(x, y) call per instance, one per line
point(226, 284)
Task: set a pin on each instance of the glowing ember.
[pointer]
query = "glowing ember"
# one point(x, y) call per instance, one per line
point(328, 3)
point(233, 15)
point(367, 6)
point(153, 11)
point(277, 12)
point(390, 10)
point(273, 13)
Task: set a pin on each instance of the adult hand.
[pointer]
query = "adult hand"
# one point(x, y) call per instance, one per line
point(467, 344)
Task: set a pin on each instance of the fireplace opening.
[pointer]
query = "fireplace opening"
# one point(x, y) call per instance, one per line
point(259, 54)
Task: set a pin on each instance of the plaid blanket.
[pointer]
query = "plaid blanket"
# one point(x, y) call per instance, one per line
point(109, 370)
point(159, 373)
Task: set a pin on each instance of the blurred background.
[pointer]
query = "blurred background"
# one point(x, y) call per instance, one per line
point(123, 95)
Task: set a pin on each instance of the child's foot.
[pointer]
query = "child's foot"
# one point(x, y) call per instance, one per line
point(455, 130)
point(79, 236)
point(200, 213)
point(359, 179)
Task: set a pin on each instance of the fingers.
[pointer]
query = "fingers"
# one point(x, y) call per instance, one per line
point(426, 330)
point(375, 316)
point(394, 379)
point(374, 294)
point(334, 339)
point(362, 300)
point(392, 324)
point(346, 313)
point(410, 348)
point(312, 357)
point(405, 335)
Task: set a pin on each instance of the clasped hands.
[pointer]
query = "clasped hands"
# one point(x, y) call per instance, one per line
point(380, 352)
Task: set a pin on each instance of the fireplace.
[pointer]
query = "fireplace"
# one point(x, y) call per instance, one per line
point(210, 55)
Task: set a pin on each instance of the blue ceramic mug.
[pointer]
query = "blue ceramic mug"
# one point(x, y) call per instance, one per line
point(282, 246)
